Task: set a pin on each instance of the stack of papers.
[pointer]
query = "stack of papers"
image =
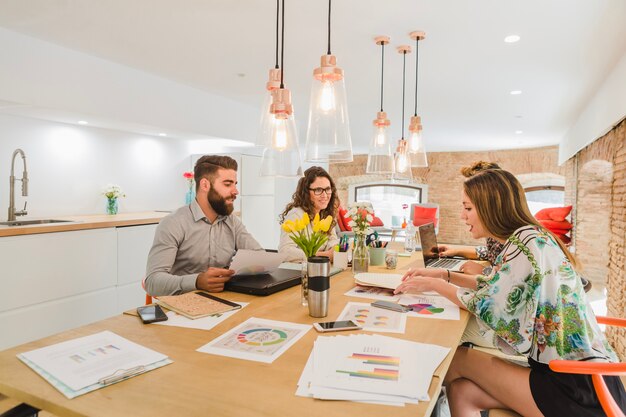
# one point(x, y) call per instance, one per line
point(372, 279)
point(370, 368)
point(85, 364)
point(196, 304)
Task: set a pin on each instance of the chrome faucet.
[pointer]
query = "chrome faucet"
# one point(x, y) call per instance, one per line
point(12, 212)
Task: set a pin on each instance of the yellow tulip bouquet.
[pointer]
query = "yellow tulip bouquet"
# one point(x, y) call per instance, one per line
point(309, 242)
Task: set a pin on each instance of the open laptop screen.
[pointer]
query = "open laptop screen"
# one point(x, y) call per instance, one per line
point(428, 241)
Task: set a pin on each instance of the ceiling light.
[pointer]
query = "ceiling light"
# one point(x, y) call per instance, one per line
point(380, 156)
point(163, 134)
point(516, 92)
point(512, 39)
point(519, 132)
point(328, 133)
point(402, 158)
point(281, 154)
point(82, 122)
point(416, 141)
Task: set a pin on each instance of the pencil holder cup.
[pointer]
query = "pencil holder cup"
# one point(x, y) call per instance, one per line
point(340, 260)
point(377, 256)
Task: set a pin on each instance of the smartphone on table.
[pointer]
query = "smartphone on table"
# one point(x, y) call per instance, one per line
point(151, 313)
point(336, 326)
point(391, 306)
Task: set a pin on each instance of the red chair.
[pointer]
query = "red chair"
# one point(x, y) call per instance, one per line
point(148, 296)
point(596, 370)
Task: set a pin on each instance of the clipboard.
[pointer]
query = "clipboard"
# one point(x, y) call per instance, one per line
point(197, 304)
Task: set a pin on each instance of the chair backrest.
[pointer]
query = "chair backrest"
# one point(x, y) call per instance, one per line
point(428, 215)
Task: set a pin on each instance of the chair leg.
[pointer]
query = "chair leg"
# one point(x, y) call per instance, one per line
point(148, 301)
point(22, 410)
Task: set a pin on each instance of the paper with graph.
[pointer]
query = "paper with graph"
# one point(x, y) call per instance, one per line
point(370, 368)
point(374, 319)
point(430, 307)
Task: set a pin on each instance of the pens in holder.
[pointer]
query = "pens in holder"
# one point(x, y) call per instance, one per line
point(121, 374)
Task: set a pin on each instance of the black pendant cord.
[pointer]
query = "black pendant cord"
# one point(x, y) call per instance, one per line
point(416, 63)
point(329, 27)
point(277, 20)
point(403, 85)
point(382, 73)
point(282, 49)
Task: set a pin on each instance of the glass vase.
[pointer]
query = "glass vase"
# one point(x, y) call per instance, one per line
point(112, 205)
point(360, 256)
point(189, 196)
point(304, 290)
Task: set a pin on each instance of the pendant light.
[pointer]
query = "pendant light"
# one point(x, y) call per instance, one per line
point(416, 141)
point(328, 132)
point(267, 118)
point(281, 156)
point(380, 156)
point(402, 158)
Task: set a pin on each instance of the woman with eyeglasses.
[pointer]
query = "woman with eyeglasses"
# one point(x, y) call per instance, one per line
point(316, 193)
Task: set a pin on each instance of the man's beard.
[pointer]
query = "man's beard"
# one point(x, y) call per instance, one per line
point(219, 204)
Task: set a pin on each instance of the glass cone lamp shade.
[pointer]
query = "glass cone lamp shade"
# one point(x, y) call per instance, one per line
point(267, 118)
point(380, 156)
point(328, 132)
point(402, 162)
point(417, 150)
point(281, 156)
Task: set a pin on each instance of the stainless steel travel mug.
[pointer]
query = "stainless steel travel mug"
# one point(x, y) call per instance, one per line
point(318, 268)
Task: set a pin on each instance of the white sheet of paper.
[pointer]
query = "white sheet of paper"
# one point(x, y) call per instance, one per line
point(257, 339)
point(374, 319)
point(253, 262)
point(203, 323)
point(430, 306)
point(81, 362)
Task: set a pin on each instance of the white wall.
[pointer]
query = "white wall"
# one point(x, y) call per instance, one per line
point(605, 109)
point(69, 165)
point(45, 75)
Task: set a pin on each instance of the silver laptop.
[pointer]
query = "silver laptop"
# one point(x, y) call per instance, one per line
point(430, 250)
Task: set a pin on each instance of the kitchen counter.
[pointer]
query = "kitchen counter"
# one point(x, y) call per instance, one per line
point(84, 222)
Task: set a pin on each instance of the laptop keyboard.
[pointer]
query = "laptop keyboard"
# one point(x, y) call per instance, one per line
point(444, 263)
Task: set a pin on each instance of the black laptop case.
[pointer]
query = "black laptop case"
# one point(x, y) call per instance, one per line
point(264, 284)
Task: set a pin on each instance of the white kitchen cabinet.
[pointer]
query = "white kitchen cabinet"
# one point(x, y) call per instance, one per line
point(133, 246)
point(57, 281)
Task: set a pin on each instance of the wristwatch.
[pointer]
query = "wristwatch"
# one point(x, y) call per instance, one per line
point(487, 270)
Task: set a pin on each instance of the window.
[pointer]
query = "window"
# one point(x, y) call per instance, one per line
point(389, 198)
point(540, 197)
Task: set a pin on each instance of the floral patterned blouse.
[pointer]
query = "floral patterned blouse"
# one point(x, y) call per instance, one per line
point(535, 303)
point(489, 252)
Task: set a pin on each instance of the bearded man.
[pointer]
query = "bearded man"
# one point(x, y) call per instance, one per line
point(194, 245)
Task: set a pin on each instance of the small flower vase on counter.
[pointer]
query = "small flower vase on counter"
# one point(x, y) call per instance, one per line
point(189, 196)
point(112, 205)
point(304, 292)
point(360, 255)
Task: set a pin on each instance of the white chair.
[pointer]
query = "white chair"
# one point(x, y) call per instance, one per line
point(426, 205)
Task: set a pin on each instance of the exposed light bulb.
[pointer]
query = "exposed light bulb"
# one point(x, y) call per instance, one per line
point(415, 141)
point(380, 136)
point(327, 97)
point(402, 163)
point(279, 139)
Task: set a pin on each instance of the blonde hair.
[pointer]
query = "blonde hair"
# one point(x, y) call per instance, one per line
point(501, 205)
point(477, 167)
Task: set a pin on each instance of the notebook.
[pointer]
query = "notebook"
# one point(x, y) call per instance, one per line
point(428, 240)
point(264, 284)
point(196, 304)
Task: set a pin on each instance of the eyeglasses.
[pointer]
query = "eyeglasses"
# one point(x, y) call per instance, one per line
point(320, 190)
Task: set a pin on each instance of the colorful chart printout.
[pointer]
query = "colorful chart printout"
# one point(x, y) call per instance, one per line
point(257, 340)
point(374, 319)
point(430, 306)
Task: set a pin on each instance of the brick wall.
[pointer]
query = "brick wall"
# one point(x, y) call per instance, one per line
point(602, 182)
point(445, 181)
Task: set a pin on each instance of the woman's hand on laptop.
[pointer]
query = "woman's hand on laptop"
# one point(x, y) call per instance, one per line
point(447, 251)
point(213, 279)
point(471, 268)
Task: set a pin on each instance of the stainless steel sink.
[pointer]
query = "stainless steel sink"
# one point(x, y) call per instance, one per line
point(29, 222)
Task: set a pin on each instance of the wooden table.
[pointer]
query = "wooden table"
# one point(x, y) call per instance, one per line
point(199, 384)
